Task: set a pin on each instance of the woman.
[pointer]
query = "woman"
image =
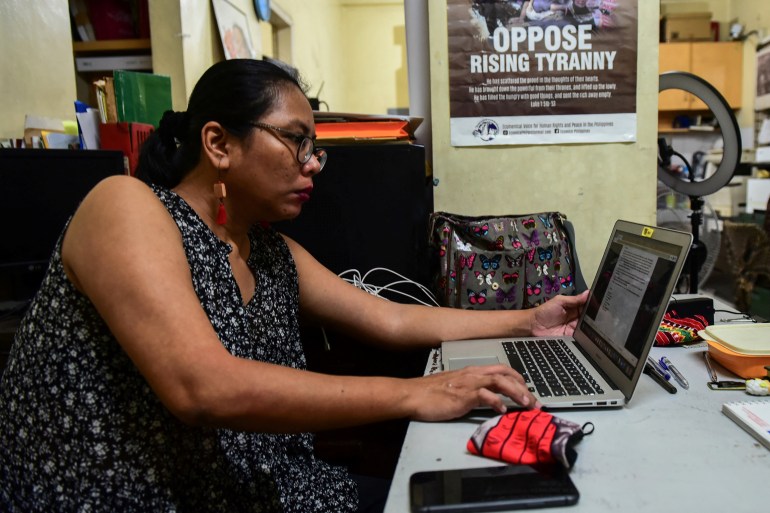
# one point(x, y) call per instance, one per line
point(160, 369)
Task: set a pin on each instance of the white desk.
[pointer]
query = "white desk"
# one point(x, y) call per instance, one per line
point(662, 452)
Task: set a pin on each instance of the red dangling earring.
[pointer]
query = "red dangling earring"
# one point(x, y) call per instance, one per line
point(221, 193)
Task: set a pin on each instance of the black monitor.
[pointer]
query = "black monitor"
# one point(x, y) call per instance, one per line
point(39, 191)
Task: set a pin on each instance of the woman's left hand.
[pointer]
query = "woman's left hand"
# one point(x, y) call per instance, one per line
point(558, 316)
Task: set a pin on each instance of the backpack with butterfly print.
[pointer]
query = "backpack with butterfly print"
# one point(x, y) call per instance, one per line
point(503, 262)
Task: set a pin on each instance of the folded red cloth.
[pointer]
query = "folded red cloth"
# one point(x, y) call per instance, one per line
point(529, 437)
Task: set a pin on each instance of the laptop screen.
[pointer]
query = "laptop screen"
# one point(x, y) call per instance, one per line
point(625, 302)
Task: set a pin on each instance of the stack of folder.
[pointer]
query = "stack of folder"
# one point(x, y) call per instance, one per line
point(131, 105)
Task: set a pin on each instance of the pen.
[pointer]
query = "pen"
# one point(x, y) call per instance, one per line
point(661, 370)
point(658, 377)
point(714, 377)
point(666, 364)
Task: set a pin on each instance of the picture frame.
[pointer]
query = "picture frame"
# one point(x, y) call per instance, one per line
point(233, 30)
point(762, 99)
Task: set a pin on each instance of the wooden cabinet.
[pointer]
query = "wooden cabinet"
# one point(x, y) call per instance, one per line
point(720, 64)
point(112, 49)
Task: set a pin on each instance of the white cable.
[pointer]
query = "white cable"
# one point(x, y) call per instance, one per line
point(361, 282)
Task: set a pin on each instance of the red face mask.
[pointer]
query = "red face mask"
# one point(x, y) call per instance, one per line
point(531, 437)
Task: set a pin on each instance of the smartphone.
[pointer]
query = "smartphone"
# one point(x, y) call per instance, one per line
point(491, 489)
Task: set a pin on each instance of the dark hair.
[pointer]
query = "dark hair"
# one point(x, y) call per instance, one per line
point(233, 93)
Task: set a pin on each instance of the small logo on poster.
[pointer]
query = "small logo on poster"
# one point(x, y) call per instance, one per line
point(486, 130)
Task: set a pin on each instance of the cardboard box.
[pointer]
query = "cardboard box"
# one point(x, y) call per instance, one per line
point(691, 26)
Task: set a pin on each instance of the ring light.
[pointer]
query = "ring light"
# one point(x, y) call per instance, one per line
point(728, 126)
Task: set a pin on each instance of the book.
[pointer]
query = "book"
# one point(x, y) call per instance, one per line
point(105, 95)
point(753, 416)
point(112, 19)
point(141, 97)
point(79, 13)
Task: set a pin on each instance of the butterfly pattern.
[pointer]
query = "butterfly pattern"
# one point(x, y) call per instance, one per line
point(480, 231)
point(537, 263)
point(490, 263)
point(503, 296)
point(531, 255)
point(467, 261)
point(551, 284)
point(544, 254)
point(484, 278)
point(534, 289)
point(477, 298)
point(463, 246)
point(509, 278)
point(532, 239)
point(514, 262)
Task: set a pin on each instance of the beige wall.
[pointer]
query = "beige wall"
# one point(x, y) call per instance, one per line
point(37, 74)
point(593, 184)
point(361, 57)
point(317, 48)
point(376, 78)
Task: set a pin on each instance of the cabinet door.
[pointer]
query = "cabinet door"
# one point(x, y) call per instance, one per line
point(674, 57)
point(721, 65)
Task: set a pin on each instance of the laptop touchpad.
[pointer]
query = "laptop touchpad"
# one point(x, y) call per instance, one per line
point(467, 361)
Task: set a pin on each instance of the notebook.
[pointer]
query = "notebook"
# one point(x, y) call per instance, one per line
point(753, 416)
point(601, 363)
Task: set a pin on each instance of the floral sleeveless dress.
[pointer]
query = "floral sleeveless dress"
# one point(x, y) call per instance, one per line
point(81, 430)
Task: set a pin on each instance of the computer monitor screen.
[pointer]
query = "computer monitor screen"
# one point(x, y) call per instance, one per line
point(39, 191)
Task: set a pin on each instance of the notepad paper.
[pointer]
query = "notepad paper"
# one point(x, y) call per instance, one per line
point(753, 416)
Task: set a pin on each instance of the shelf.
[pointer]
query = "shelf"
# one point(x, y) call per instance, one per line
point(110, 45)
point(686, 131)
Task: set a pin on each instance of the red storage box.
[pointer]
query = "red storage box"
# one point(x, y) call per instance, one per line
point(126, 137)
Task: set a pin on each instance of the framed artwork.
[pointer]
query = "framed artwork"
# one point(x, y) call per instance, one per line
point(762, 101)
point(233, 30)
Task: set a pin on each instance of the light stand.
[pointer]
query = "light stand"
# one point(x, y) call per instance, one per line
point(696, 189)
point(697, 255)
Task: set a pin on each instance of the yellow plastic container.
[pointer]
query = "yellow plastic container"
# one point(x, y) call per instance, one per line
point(741, 348)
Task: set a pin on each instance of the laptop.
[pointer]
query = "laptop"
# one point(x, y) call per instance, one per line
point(600, 365)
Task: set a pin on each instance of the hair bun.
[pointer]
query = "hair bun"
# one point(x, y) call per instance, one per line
point(171, 128)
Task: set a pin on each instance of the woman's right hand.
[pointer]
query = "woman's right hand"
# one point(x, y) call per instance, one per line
point(451, 394)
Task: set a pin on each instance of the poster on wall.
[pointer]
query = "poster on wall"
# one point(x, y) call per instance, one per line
point(542, 71)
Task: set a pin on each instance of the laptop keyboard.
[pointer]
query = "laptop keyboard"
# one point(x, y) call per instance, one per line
point(550, 368)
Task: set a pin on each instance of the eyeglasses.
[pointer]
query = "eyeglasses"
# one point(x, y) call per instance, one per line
point(306, 146)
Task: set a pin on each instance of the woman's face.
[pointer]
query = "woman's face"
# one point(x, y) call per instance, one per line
point(269, 183)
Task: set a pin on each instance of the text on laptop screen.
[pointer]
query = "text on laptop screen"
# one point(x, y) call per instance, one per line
point(619, 323)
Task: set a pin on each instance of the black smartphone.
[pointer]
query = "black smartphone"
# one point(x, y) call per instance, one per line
point(491, 489)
